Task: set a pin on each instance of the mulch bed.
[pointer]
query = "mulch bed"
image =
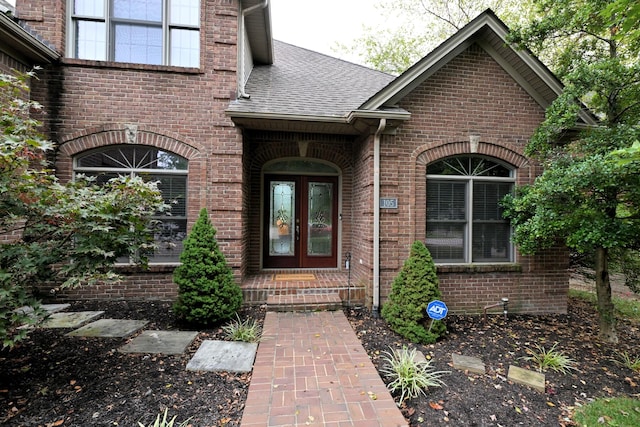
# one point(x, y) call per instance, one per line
point(53, 380)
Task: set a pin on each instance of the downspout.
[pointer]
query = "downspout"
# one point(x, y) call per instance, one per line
point(241, 46)
point(376, 217)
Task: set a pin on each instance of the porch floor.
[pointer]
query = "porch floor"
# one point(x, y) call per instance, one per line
point(258, 287)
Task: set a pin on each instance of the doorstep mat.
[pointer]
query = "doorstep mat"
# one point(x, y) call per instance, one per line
point(284, 277)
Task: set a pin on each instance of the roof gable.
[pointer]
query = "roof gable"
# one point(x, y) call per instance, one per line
point(490, 33)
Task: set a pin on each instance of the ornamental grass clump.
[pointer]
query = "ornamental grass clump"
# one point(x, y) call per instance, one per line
point(247, 330)
point(550, 359)
point(412, 290)
point(409, 375)
point(163, 422)
point(207, 292)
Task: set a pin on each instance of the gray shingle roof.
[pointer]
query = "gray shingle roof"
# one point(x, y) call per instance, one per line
point(305, 83)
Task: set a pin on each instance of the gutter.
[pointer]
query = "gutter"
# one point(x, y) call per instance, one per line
point(241, 46)
point(25, 44)
point(376, 217)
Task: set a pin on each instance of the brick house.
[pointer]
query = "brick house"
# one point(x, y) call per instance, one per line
point(306, 163)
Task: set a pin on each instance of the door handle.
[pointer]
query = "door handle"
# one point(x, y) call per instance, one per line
point(297, 232)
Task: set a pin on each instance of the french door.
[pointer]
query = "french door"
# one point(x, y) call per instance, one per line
point(300, 221)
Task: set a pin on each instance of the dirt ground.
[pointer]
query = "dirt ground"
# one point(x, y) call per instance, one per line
point(53, 380)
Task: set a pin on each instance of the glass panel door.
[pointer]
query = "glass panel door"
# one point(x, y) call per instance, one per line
point(319, 230)
point(300, 217)
point(281, 218)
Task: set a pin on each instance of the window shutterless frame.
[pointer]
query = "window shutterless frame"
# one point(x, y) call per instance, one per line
point(464, 222)
point(168, 169)
point(161, 32)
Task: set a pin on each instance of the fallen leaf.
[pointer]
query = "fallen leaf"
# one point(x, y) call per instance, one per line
point(436, 406)
point(550, 403)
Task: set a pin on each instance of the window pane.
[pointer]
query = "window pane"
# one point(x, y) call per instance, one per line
point(91, 40)
point(93, 8)
point(446, 220)
point(185, 12)
point(486, 200)
point(133, 157)
point(445, 241)
point(446, 200)
point(169, 235)
point(174, 192)
point(143, 10)
point(484, 167)
point(185, 48)
point(491, 242)
point(138, 44)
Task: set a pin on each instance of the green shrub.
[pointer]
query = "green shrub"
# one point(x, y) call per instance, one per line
point(412, 290)
point(207, 292)
point(409, 375)
point(247, 330)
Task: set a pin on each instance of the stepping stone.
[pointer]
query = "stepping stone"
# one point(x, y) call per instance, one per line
point(468, 363)
point(532, 379)
point(72, 319)
point(51, 308)
point(164, 342)
point(228, 356)
point(109, 328)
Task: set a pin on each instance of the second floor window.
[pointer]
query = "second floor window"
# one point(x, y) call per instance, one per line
point(160, 32)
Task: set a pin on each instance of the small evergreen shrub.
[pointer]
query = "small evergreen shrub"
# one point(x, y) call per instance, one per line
point(207, 292)
point(411, 291)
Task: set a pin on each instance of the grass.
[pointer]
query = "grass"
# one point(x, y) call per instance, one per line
point(628, 361)
point(619, 412)
point(408, 374)
point(550, 359)
point(625, 307)
point(247, 330)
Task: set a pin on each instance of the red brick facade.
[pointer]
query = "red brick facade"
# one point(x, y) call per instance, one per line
point(95, 104)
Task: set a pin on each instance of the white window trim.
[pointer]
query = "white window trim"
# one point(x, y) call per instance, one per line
point(468, 229)
point(166, 32)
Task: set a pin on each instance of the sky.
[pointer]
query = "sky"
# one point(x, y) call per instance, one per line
point(319, 25)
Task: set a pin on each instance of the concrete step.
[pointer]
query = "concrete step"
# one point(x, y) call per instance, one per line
point(304, 302)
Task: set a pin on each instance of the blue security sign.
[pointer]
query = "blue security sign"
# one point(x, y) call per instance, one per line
point(437, 310)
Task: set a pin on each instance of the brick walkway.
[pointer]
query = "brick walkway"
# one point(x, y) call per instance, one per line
point(311, 370)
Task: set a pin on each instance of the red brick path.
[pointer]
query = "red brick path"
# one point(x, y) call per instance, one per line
point(311, 370)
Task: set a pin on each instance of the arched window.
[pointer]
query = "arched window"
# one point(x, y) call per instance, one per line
point(153, 164)
point(464, 217)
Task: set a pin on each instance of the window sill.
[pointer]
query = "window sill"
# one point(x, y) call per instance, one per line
point(479, 268)
point(131, 66)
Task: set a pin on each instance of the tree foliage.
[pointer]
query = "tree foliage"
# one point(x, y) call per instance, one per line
point(416, 27)
point(415, 286)
point(66, 234)
point(207, 292)
point(589, 193)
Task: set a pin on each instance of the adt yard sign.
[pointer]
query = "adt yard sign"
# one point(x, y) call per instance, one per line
point(437, 310)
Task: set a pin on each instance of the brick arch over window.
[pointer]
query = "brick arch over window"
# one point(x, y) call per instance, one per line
point(429, 153)
point(103, 136)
